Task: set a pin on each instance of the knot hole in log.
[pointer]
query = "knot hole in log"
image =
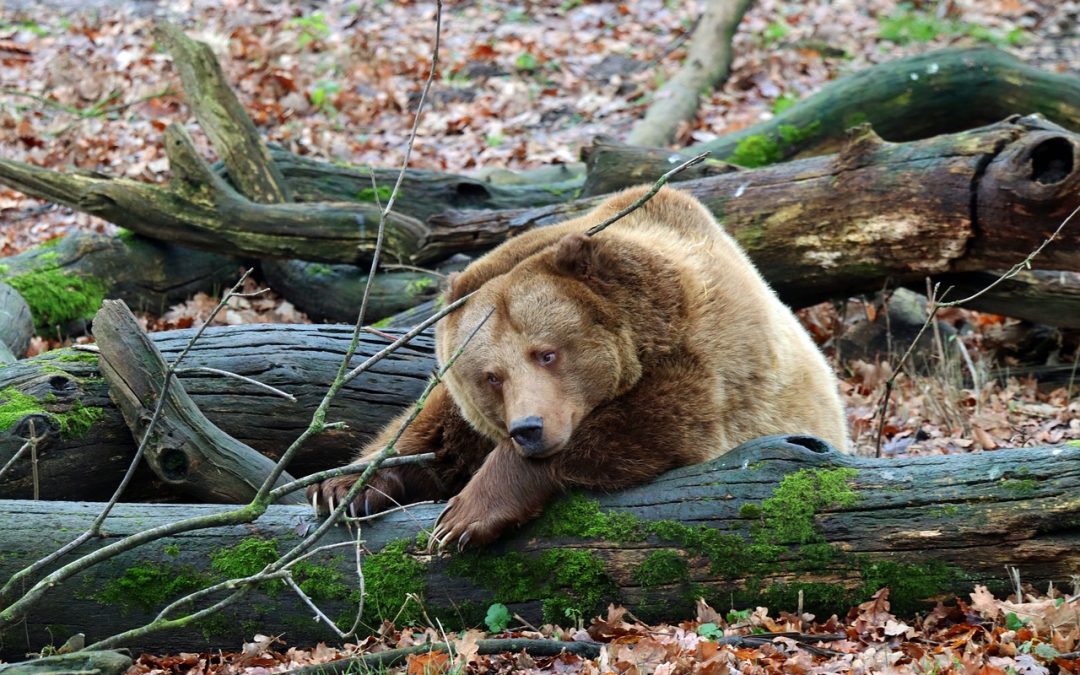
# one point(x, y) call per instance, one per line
point(470, 194)
point(1052, 160)
point(174, 464)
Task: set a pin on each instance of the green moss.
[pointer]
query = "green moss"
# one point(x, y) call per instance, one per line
point(662, 567)
point(321, 583)
point(756, 150)
point(172, 550)
point(751, 511)
point(125, 235)
point(150, 586)
point(383, 192)
point(789, 514)
point(1021, 487)
point(246, 558)
point(389, 576)
point(793, 135)
point(382, 323)
point(318, 270)
point(577, 516)
point(855, 119)
point(76, 357)
point(946, 511)
point(76, 421)
point(421, 286)
point(15, 405)
point(56, 297)
point(562, 578)
point(51, 243)
point(910, 585)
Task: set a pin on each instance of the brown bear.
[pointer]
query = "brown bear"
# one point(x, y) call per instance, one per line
point(604, 361)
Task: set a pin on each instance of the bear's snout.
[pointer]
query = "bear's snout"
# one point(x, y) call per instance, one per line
point(528, 433)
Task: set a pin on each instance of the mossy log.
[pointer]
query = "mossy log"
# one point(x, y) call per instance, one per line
point(611, 166)
point(841, 224)
point(939, 92)
point(16, 324)
point(334, 292)
point(64, 281)
point(773, 518)
point(87, 446)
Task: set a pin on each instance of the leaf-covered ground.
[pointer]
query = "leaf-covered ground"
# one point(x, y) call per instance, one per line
point(527, 84)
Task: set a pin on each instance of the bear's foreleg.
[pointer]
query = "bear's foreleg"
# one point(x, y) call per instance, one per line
point(438, 428)
point(507, 491)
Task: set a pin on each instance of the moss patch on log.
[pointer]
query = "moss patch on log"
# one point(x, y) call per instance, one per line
point(389, 576)
point(74, 422)
point(761, 150)
point(57, 297)
point(150, 586)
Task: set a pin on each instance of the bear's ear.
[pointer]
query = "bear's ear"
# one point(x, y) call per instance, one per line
point(580, 256)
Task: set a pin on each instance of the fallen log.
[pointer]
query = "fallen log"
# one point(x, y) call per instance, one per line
point(1050, 297)
point(16, 325)
point(707, 64)
point(184, 448)
point(64, 281)
point(774, 518)
point(87, 445)
point(842, 224)
point(905, 99)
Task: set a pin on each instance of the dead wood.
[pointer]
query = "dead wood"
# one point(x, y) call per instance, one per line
point(87, 445)
point(754, 528)
point(185, 449)
point(707, 63)
point(842, 224)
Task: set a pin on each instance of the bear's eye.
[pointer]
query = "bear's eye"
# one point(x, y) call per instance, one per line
point(547, 358)
point(493, 379)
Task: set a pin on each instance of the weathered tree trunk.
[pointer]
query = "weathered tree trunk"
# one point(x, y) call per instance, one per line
point(770, 519)
point(87, 446)
point(185, 448)
point(1041, 296)
point(611, 166)
point(64, 281)
point(842, 224)
point(916, 97)
point(333, 292)
point(707, 63)
point(16, 325)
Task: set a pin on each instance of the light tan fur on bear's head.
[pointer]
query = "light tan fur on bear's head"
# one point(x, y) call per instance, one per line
point(552, 350)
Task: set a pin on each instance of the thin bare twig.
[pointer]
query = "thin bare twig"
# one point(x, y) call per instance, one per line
point(660, 182)
point(300, 483)
point(935, 305)
point(224, 373)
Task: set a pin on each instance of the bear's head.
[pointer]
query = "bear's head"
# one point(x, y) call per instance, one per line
point(569, 329)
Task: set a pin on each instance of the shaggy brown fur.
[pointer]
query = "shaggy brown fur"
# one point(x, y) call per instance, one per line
point(607, 361)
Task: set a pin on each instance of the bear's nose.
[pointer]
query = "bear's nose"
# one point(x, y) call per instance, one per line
point(528, 433)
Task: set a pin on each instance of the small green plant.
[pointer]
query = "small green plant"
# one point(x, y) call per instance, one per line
point(568, 5)
point(783, 102)
point(775, 32)
point(27, 25)
point(908, 25)
point(311, 28)
point(321, 94)
point(710, 631)
point(1013, 622)
point(498, 618)
point(517, 15)
point(735, 616)
point(526, 62)
point(494, 140)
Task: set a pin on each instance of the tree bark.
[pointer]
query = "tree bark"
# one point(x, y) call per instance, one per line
point(611, 166)
point(920, 96)
point(333, 292)
point(200, 209)
point(1049, 297)
point(64, 281)
point(16, 325)
point(772, 518)
point(843, 224)
point(87, 446)
point(184, 449)
point(708, 61)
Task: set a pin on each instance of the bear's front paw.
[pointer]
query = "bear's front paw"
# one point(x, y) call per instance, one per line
point(463, 524)
point(384, 490)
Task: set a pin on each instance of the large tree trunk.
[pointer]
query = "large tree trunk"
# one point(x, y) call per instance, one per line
point(87, 446)
point(773, 518)
point(845, 223)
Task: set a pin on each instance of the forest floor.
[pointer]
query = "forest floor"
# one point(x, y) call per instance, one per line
point(528, 84)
